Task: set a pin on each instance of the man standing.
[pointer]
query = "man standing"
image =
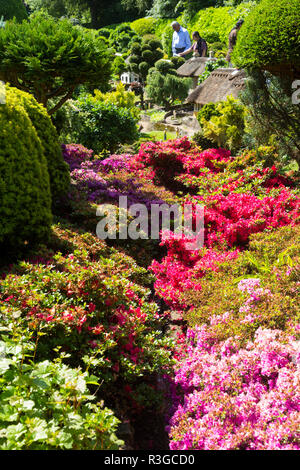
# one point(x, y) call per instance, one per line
point(232, 40)
point(181, 39)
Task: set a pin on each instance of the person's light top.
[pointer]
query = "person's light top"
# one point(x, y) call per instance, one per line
point(181, 39)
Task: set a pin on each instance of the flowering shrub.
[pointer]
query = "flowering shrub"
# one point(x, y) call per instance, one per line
point(182, 269)
point(75, 154)
point(87, 304)
point(166, 158)
point(272, 266)
point(80, 300)
point(238, 398)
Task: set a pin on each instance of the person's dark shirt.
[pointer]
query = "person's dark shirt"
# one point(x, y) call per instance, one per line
point(201, 47)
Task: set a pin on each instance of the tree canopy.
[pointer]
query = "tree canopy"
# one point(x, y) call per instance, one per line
point(270, 37)
point(13, 9)
point(50, 58)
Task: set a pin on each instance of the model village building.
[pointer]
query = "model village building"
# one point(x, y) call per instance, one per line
point(218, 86)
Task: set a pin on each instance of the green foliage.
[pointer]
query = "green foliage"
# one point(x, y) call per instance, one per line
point(120, 98)
point(214, 24)
point(165, 88)
point(217, 46)
point(119, 66)
point(76, 303)
point(207, 112)
point(272, 117)
point(144, 26)
point(50, 58)
point(210, 67)
point(58, 170)
point(47, 405)
point(166, 40)
point(202, 141)
point(166, 8)
point(104, 32)
point(227, 128)
point(13, 9)
point(270, 37)
point(273, 258)
point(148, 53)
point(123, 37)
point(25, 200)
point(177, 61)
point(100, 125)
point(136, 48)
point(165, 66)
point(133, 59)
point(143, 70)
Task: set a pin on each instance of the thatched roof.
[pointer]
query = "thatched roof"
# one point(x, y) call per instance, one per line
point(193, 67)
point(220, 84)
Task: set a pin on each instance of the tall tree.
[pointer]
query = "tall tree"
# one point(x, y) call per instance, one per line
point(103, 14)
point(142, 5)
point(50, 58)
point(12, 8)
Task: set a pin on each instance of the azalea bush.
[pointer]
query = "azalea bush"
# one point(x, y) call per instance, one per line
point(89, 308)
point(266, 297)
point(87, 303)
point(237, 397)
point(50, 58)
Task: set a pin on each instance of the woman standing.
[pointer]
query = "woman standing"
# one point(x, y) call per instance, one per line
point(199, 48)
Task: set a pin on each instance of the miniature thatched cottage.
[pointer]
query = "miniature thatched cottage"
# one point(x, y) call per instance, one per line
point(217, 87)
point(193, 68)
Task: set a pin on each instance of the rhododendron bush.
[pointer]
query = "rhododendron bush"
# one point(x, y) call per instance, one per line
point(92, 304)
point(238, 397)
point(223, 313)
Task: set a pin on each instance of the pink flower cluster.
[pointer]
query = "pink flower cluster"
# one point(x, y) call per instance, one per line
point(182, 269)
point(231, 219)
point(75, 154)
point(256, 294)
point(238, 397)
point(211, 159)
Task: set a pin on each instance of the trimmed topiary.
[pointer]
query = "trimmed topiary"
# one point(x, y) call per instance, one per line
point(104, 32)
point(10, 9)
point(58, 170)
point(133, 59)
point(147, 55)
point(177, 61)
point(143, 68)
point(136, 48)
point(270, 38)
point(157, 54)
point(164, 66)
point(25, 199)
point(144, 26)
